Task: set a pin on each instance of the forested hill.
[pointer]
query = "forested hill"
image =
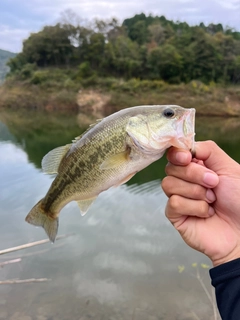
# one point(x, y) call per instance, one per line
point(4, 57)
point(144, 47)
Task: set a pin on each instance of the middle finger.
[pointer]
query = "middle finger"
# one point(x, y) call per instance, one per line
point(194, 173)
point(172, 185)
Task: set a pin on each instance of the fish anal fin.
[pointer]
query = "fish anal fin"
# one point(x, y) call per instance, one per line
point(124, 180)
point(84, 205)
point(51, 161)
point(38, 217)
point(116, 160)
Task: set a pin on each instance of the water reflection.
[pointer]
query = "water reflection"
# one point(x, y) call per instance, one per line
point(40, 132)
point(121, 263)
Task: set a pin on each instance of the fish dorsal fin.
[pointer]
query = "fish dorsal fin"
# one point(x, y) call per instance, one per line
point(84, 205)
point(76, 139)
point(51, 161)
point(116, 160)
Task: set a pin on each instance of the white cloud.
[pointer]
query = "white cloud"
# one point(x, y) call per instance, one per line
point(230, 4)
point(33, 15)
point(106, 261)
point(12, 154)
point(11, 38)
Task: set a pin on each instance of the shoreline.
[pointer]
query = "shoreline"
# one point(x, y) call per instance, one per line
point(100, 100)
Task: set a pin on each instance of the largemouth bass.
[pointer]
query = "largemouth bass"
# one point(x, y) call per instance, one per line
point(108, 154)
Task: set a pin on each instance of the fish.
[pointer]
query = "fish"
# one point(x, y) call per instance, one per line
point(108, 154)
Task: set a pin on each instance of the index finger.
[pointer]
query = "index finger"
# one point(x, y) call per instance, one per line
point(214, 157)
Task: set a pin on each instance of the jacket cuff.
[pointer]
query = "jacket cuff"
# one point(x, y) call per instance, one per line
point(225, 272)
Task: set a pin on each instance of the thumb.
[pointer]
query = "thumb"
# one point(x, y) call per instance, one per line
point(214, 157)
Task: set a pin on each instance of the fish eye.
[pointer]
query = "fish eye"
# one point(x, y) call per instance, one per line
point(168, 113)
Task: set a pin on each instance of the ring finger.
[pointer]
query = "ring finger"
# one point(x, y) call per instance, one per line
point(172, 185)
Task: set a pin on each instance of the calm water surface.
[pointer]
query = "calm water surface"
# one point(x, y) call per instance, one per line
point(124, 261)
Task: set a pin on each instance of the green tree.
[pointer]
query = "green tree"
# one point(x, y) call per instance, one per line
point(156, 33)
point(236, 70)
point(127, 59)
point(16, 64)
point(51, 46)
point(142, 46)
point(165, 63)
point(206, 57)
point(139, 32)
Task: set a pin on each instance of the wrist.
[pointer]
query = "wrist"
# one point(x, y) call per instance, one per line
point(235, 254)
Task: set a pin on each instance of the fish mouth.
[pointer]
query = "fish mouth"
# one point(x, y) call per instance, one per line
point(186, 131)
point(189, 129)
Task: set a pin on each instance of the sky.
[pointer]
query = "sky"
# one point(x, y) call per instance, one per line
point(19, 18)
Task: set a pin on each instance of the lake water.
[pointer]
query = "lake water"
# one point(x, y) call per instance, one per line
point(124, 259)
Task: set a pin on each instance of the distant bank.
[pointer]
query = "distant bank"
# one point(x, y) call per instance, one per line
point(102, 96)
point(4, 57)
point(108, 65)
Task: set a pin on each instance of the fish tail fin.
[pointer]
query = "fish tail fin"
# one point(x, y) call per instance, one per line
point(38, 217)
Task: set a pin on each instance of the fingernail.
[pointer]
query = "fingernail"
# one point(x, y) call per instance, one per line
point(210, 179)
point(211, 211)
point(210, 195)
point(182, 157)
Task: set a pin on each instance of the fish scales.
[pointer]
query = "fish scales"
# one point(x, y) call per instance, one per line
point(108, 154)
point(82, 163)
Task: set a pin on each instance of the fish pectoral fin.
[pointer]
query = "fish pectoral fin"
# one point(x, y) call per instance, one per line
point(51, 161)
point(116, 160)
point(124, 180)
point(84, 205)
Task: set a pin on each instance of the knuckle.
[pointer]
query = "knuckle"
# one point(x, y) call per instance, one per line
point(211, 144)
point(193, 172)
point(203, 209)
point(197, 192)
point(167, 210)
point(190, 172)
point(174, 203)
point(165, 184)
point(168, 169)
point(169, 213)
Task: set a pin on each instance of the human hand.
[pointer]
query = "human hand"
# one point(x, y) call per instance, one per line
point(204, 200)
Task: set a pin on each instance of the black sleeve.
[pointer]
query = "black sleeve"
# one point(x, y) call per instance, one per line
point(226, 280)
